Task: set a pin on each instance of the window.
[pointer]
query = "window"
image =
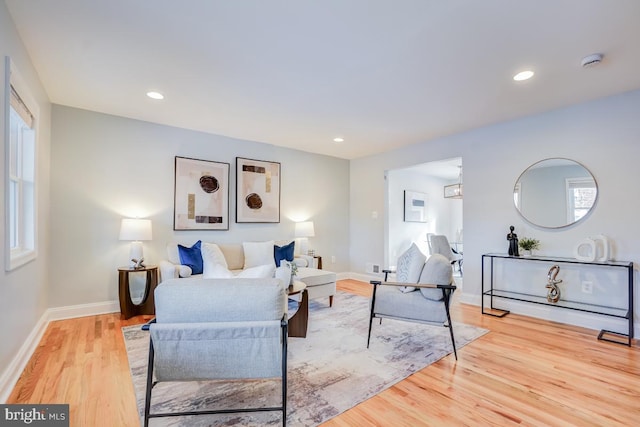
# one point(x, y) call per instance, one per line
point(21, 173)
point(581, 195)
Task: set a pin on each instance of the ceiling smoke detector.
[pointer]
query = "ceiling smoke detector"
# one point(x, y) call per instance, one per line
point(591, 60)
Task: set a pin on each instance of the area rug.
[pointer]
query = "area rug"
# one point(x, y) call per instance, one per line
point(329, 371)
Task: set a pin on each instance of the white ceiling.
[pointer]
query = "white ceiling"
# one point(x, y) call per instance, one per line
point(380, 73)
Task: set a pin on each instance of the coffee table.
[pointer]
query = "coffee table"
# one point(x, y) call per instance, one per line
point(298, 322)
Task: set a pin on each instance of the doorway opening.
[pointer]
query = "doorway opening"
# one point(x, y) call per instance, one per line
point(416, 206)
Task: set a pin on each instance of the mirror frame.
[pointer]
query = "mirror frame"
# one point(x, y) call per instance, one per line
point(556, 226)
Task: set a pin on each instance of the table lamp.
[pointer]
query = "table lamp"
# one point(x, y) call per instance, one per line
point(303, 231)
point(136, 230)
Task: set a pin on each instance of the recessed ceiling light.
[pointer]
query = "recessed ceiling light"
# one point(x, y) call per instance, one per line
point(155, 95)
point(591, 60)
point(338, 139)
point(523, 75)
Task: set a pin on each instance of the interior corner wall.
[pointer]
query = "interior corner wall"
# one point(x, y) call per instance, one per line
point(23, 291)
point(602, 135)
point(105, 168)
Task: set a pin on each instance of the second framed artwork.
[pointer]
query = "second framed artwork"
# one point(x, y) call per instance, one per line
point(201, 199)
point(415, 205)
point(257, 190)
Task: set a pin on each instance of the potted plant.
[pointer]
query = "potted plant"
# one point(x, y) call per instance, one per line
point(528, 244)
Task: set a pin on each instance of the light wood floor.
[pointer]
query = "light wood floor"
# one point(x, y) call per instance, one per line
point(524, 372)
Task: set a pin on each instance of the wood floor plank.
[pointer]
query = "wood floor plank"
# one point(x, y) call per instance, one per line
point(525, 372)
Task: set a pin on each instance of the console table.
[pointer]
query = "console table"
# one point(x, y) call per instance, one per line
point(622, 313)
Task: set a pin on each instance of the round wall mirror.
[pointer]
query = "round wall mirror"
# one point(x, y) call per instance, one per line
point(555, 193)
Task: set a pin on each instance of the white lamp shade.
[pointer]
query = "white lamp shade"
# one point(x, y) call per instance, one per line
point(304, 229)
point(135, 229)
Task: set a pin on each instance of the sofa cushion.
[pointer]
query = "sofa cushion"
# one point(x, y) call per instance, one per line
point(191, 257)
point(315, 277)
point(283, 253)
point(233, 254)
point(409, 267)
point(258, 253)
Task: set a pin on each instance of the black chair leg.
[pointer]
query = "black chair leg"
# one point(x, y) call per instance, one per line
point(370, 323)
point(285, 333)
point(447, 296)
point(147, 399)
point(373, 304)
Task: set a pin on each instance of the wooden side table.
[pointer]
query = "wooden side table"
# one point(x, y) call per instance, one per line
point(319, 258)
point(147, 304)
point(298, 322)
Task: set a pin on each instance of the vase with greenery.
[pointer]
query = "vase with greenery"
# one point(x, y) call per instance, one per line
point(528, 245)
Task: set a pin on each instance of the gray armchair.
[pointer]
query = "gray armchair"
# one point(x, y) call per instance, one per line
point(428, 303)
point(212, 329)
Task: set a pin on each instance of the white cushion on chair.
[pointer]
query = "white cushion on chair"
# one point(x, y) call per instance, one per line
point(409, 267)
point(436, 271)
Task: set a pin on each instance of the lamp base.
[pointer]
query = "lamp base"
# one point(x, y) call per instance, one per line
point(135, 255)
point(304, 245)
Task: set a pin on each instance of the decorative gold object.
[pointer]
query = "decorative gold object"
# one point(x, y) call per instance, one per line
point(553, 294)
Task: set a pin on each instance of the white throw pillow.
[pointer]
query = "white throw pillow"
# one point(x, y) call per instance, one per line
point(409, 267)
point(260, 272)
point(217, 271)
point(258, 253)
point(211, 256)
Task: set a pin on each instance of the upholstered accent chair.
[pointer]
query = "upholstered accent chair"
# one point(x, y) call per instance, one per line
point(425, 299)
point(218, 329)
point(439, 244)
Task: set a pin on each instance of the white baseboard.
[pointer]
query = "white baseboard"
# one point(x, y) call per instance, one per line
point(9, 377)
point(359, 276)
point(14, 369)
point(82, 310)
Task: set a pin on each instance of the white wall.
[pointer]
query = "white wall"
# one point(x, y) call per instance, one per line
point(106, 167)
point(602, 135)
point(443, 215)
point(23, 291)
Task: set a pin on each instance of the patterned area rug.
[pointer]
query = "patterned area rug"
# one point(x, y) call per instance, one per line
point(329, 372)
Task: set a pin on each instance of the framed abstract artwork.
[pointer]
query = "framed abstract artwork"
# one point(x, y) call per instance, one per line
point(257, 190)
point(201, 197)
point(415, 206)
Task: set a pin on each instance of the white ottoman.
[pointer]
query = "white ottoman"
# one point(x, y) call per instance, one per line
point(320, 283)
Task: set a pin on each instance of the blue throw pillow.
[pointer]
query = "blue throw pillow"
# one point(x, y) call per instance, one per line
point(283, 253)
point(191, 257)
